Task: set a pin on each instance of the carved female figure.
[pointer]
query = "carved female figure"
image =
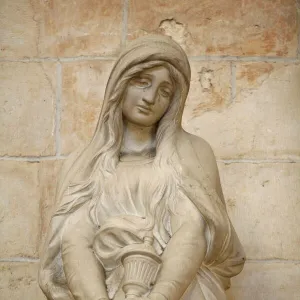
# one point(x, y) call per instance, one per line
point(142, 176)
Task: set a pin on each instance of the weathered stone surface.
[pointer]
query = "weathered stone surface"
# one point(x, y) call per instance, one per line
point(18, 281)
point(220, 27)
point(60, 28)
point(210, 88)
point(83, 91)
point(18, 29)
point(27, 114)
point(74, 28)
point(27, 195)
point(19, 209)
point(263, 121)
point(263, 203)
point(267, 280)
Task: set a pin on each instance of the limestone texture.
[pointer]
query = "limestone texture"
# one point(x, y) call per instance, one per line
point(18, 29)
point(19, 228)
point(220, 27)
point(19, 281)
point(27, 200)
point(261, 122)
point(27, 115)
point(60, 28)
point(262, 200)
point(267, 280)
point(83, 91)
point(75, 28)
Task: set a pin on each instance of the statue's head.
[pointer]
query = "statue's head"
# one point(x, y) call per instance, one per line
point(150, 67)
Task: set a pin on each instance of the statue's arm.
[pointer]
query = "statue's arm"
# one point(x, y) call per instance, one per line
point(183, 255)
point(85, 275)
point(207, 159)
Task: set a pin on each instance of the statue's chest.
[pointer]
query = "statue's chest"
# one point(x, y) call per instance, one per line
point(132, 190)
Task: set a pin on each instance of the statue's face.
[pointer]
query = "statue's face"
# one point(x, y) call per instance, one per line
point(148, 97)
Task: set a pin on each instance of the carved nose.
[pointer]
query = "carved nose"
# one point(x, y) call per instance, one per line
point(149, 96)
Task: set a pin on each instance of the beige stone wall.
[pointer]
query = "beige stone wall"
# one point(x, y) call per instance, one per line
point(55, 58)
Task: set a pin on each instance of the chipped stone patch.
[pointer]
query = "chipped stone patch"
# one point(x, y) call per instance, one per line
point(210, 89)
point(178, 31)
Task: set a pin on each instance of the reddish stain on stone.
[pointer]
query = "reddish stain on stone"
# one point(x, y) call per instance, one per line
point(224, 27)
point(217, 104)
point(252, 71)
point(269, 39)
point(71, 28)
point(210, 49)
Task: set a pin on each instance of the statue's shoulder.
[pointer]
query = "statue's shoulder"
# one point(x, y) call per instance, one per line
point(202, 151)
point(67, 165)
point(200, 146)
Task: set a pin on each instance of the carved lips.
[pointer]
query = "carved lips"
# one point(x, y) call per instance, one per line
point(144, 109)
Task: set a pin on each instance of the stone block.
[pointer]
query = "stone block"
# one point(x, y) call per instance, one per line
point(83, 91)
point(18, 281)
point(267, 280)
point(262, 122)
point(60, 28)
point(263, 204)
point(18, 29)
point(20, 213)
point(27, 197)
point(75, 28)
point(220, 27)
point(27, 117)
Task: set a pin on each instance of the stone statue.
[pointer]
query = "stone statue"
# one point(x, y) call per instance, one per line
point(140, 211)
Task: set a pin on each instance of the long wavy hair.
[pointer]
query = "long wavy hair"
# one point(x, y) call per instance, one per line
point(104, 162)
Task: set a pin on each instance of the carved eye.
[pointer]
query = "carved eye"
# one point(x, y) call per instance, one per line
point(141, 82)
point(165, 92)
